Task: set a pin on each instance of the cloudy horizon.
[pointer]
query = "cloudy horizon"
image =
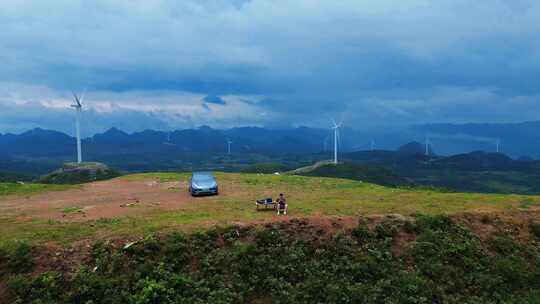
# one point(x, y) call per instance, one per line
point(167, 65)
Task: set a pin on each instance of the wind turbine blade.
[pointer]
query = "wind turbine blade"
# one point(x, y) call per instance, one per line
point(76, 97)
point(82, 97)
point(334, 122)
point(77, 100)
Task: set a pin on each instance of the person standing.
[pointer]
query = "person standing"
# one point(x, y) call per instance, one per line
point(282, 204)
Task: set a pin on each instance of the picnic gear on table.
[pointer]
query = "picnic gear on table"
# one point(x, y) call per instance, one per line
point(267, 202)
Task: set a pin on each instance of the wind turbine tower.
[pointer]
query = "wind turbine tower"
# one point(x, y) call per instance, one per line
point(78, 108)
point(336, 135)
point(325, 143)
point(498, 146)
point(427, 146)
point(168, 139)
point(229, 142)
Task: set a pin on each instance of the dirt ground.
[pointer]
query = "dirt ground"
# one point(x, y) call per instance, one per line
point(110, 199)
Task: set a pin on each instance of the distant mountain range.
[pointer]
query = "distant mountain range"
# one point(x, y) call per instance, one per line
point(45, 150)
point(476, 171)
point(405, 158)
point(47, 143)
point(516, 139)
point(39, 151)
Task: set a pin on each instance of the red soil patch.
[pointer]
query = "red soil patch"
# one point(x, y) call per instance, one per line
point(515, 223)
point(106, 199)
point(326, 225)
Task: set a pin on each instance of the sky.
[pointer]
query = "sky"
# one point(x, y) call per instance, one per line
point(273, 63)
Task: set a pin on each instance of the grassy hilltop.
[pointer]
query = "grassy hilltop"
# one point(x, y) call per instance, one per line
point(29, 188)
point(344, 241)
point(308, 196)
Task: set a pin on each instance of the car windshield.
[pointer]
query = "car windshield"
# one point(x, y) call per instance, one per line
point(203, 178)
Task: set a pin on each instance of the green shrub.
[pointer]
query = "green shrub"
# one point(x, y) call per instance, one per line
point(438, 222)
point(362, 233)
point(410, 227)
point(535, 229)
point(46, 288)
point(176, 251)
point(17, 257)
point(503, 245)
point(387, 229)
point(152, 292)
point(517, 265)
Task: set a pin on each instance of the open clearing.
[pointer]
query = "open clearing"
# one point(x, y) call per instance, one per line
point(142, 203)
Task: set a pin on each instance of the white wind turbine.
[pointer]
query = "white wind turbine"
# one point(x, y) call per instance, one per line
point(78, 109)
point(427, 146)
point(168, 140)
point(229, 142)
point(336, 127)
point(498, 146)
point(325, 141)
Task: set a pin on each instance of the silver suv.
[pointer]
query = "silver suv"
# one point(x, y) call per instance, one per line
point(203, 183)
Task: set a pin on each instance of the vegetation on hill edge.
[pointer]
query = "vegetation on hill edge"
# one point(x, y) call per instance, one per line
point(11, 177)
point(265, 168)
point(427, 260)
point(366, 173)
point(73, 173)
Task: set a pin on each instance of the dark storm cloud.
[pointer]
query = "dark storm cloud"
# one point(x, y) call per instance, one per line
point(214, 99)
point(374, 62)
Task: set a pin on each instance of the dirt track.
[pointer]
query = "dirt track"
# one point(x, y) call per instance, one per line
point(108, 199)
